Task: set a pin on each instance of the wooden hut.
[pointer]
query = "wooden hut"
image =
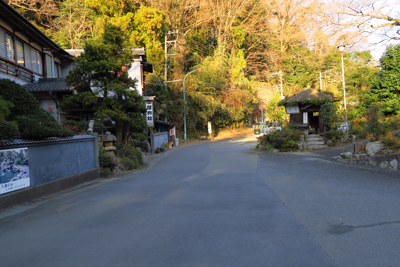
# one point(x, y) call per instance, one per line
point(304, 109)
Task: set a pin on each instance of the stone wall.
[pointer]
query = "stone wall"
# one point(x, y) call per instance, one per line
point(390, 162)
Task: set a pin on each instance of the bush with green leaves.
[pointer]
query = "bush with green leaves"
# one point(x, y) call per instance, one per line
point(33, 122)
point(8, 131)
point(391, 143)
point(330, 116)
point(287, 139)
point(374, 125)
point(106, 161)
point(134, 154)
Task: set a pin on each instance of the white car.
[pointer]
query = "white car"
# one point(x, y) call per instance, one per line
point(273, 126)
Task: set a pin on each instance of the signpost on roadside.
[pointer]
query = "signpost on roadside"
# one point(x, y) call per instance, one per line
point(209, 129)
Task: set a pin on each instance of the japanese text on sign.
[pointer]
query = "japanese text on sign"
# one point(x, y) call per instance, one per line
point(149, 113)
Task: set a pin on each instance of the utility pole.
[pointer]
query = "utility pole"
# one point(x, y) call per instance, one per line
point(320, 81)
point(167, 52)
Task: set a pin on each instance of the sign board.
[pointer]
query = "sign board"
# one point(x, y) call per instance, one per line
point(209, 127)
point(149, 113)
point(305, 118)
point(14, 170)
point(172, 131)
point(292, 109)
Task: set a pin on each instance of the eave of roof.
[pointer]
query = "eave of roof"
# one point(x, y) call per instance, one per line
point(48, 85)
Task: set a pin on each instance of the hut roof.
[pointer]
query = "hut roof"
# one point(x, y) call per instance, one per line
point(309, 96)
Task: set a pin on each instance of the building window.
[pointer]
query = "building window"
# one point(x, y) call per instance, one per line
point(20, 53)
point(10, 48)
point(3, 49)
point(39, 62)
point(49, 69)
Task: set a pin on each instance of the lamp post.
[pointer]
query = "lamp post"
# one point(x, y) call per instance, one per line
point(184, 102)
point(341, 49)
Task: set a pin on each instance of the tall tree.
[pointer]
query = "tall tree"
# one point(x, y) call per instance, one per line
point(102, 81)
point(386, 88)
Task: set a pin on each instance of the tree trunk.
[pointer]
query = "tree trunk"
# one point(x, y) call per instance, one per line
point(119, 128)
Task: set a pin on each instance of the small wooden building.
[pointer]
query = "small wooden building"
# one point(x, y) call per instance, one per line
point(304, 109)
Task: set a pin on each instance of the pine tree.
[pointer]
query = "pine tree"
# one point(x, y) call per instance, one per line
point(101, 78)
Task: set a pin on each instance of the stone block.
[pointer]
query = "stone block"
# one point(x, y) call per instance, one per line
point(347, 155)
point(373, 147)
point(110, 148)
point(384, 165)
point(372, 162)
point(393, 163)
point(360, 156)
point(108, 138)
point(108, 144)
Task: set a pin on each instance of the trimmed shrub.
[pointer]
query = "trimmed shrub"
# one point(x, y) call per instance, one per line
point(105, 161)
point(285, 140)
point(133, 153)
point(74, 129)
point(391, 143)
point(8, 131)
point(24, 102)
point(33, 122)
point(105, 172)
point(129, 164)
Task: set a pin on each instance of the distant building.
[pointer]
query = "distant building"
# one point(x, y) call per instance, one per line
point(304, 109)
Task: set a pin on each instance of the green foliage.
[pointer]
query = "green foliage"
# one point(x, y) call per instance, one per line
point(4, 108)
point(8, 131)
point(105, 161)
point(386, 88)
point(133, 154)
point(101, 64)
point(334, 135)
point(391, 143)
point(285, 140)
point(129, 164)
point(71, 123)
point(357, 131)
point(374, 125)
point(330, 116)
point(139, 140)
point(275, 112)
point(105, 172)
point(32, 121)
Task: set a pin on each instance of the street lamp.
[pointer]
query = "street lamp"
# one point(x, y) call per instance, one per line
point(341, 49)
point(184, 102)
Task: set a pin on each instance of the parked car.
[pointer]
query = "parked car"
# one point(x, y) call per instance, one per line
point(273, 126)
point(342, 127)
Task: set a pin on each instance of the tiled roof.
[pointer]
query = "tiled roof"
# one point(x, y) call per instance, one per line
point(48, 85)
point(19, 142)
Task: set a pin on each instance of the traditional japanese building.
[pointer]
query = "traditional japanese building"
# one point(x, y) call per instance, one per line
point(304, 109)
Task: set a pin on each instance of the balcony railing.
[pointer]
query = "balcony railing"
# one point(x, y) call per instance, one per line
point(17, 71)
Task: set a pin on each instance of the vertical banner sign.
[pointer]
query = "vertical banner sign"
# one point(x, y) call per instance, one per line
point(209, 127)
point(149, 113)
point(14, 170)
point(305, 118)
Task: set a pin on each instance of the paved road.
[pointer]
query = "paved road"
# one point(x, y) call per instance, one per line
point(217, 204)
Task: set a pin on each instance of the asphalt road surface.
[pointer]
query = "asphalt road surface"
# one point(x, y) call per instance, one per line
point(216, 204)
